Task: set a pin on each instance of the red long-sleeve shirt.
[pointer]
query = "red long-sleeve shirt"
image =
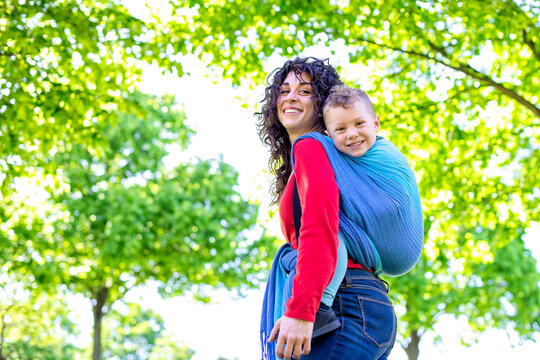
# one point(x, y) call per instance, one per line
point(317, 253)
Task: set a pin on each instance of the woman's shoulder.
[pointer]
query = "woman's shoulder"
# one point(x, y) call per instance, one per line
point(307, 148)
point(310, 155)
point(310, 141)
point(306, 143)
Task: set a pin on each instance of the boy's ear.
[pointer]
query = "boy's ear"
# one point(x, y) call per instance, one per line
point(377, 123)
point(326, 133)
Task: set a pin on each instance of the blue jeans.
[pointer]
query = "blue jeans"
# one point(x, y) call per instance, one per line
point(368, 321)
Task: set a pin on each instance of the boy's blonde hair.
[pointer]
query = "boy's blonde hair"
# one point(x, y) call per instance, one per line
point(344, 96)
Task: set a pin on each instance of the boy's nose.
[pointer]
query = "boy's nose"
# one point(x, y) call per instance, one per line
point(351, 134)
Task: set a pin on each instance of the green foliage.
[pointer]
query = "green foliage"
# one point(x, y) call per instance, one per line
point(510, 281)
point(126, 218)
point(34, 327)
point(168, 348)
point(422, 35)
point(65, 67)
point(139, 334)
point(131, 335)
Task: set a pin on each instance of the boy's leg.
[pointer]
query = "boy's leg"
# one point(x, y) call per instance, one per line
point(341, 268)
point(326, 320)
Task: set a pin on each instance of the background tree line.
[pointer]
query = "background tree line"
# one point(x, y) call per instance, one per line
point(456, 85)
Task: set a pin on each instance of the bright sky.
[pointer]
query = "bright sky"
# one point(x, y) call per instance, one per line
point(230, 327)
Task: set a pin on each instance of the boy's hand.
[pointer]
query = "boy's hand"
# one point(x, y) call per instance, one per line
point(292, 334)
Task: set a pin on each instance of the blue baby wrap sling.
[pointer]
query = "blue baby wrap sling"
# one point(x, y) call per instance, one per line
point(380, 222)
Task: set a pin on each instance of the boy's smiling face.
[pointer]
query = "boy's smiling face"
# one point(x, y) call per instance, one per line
point(353, 129)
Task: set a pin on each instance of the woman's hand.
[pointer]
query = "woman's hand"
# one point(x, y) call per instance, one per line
point(292, 334)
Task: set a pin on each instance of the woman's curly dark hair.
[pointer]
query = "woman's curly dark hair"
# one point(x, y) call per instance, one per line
point(272, 133)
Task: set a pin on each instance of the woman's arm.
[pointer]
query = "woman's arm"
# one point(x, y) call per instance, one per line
point(317, 252)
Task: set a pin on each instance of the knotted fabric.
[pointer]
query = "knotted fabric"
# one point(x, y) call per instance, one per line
point(278, 291)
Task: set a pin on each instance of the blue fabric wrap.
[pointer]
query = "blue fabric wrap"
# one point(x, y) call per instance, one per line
point(380, 215)
point(380, 222)
point(278, 291)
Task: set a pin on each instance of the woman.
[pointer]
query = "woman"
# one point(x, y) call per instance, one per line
point(293, 107)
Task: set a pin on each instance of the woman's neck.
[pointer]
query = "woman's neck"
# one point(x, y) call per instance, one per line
point(293, 137)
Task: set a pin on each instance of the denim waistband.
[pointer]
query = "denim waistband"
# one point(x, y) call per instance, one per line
point(359, 276)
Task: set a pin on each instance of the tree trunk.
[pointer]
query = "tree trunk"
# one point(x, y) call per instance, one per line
point(99, 299)
point(3, 335)
point(412, 349)
point(3, 319)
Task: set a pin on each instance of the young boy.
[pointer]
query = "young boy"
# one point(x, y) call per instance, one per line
point(391, 237)
point(351, 123)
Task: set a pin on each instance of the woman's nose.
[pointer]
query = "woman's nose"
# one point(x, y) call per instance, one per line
point(291, 96)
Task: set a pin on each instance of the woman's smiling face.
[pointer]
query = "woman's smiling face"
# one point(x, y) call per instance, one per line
point(296, 110)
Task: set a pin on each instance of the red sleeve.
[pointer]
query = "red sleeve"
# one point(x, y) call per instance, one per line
point(317, 252)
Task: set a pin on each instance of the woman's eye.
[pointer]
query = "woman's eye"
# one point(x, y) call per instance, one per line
point(284, 92)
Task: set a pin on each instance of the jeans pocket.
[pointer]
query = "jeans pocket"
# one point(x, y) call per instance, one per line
point(378, 320)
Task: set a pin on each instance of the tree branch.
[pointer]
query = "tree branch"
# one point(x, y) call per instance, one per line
point(528, 74)
point(530, 21)
point(467, 70)
point(10, 54)
point(531, 45)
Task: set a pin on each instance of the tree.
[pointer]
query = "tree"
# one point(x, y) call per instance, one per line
point(120, 217)
point(65, 67)
point(456, 85)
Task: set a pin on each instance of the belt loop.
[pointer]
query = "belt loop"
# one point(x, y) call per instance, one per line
point(348, 281)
